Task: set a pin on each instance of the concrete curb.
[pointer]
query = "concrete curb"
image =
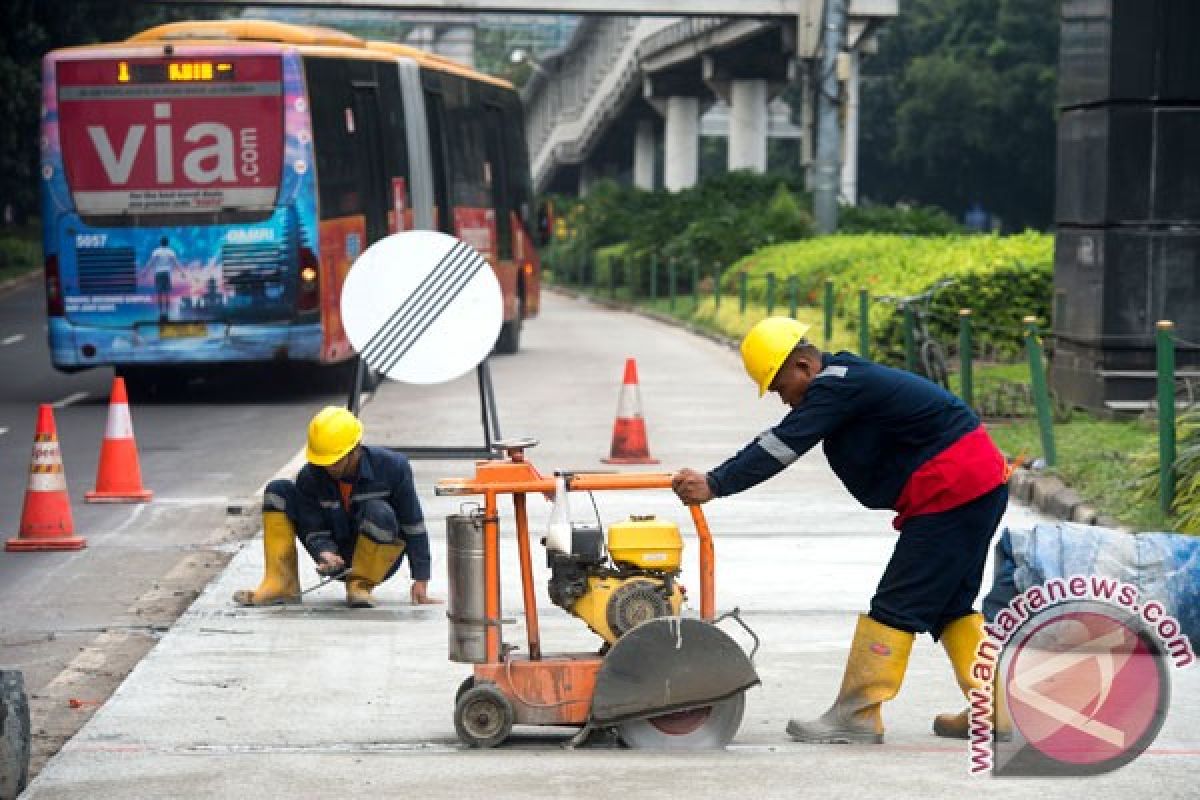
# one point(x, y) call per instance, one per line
point(14, 734)
point(1047, 493)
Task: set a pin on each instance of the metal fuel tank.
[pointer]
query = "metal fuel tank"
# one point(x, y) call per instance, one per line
point(465, 607)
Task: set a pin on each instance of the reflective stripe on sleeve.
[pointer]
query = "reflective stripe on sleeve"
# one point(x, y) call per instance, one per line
point(777, 449)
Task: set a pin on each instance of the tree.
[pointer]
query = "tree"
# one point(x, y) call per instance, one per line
point(958, 106)
point(28, 30)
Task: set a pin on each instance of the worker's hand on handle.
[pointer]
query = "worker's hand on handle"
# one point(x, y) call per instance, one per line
point(330, 563)
point(420, 594)
point(691, 487)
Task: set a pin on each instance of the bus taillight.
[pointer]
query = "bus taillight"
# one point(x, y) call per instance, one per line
point(55, 307)
point(308, 295)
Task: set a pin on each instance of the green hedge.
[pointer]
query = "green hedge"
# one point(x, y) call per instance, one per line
point(19, 252)
point(1001, 278)
point(710, 225)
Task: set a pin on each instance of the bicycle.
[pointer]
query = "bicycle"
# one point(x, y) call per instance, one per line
point(931, 356)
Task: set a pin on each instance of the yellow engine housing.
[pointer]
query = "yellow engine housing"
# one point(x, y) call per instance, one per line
point(646, 543)
point(597, 606)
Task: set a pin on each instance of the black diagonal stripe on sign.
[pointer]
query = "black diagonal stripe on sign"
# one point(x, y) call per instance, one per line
point(403, 325)
point(417, 297)
point(430, 318)
point(414, 297)
point(428, 314)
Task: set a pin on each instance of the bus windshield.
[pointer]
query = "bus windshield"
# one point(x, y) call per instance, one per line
point(162, 140)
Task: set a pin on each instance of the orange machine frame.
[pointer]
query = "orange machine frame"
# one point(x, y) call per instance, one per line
point(554, 690)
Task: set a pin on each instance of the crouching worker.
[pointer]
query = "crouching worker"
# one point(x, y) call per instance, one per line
point(351, 505)
point(896, 441)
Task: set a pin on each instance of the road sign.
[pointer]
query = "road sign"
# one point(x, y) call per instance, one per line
point(422, 307)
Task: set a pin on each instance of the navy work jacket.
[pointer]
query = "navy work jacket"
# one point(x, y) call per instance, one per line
point(324, 523)
point(878, 425)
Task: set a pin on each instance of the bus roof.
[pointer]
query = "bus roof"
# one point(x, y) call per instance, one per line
point(303, 36)
point(435, 61)
point(255, 30)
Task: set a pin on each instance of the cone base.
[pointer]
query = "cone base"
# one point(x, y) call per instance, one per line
point(58, 543)
point(630, 460)
point(138, 496)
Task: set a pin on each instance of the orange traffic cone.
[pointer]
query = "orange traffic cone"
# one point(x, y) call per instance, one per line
point(46, 522)
point(629, 444)
point(118, 476)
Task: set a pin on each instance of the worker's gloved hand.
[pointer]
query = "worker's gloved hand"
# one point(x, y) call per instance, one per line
point(330, 563)
point(420, 594)
point(691, 487)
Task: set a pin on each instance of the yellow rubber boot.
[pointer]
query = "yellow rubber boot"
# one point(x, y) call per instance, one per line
point(961, 640)
point(371, 562)
point(281, 583)
point(874, 672)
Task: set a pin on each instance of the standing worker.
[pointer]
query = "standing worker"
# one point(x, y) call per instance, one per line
point(351, 504)
point(896, 441)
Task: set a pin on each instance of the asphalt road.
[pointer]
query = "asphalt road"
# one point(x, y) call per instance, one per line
point(202, 451)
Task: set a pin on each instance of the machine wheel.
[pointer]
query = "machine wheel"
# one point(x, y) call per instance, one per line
point(483, 717)
point(710, 727)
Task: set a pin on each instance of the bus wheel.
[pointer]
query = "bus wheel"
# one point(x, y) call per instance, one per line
point(509, 340)
point(150, 383)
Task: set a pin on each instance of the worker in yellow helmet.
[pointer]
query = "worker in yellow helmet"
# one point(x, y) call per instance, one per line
point(896, 441)
point(352, 506)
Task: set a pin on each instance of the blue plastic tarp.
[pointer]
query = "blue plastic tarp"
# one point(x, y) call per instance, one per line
point(1163, 566)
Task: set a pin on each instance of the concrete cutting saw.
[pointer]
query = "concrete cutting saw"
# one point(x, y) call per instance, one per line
point(660, 678)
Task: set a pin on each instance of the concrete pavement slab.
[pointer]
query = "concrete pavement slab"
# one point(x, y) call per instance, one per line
point(319, 700)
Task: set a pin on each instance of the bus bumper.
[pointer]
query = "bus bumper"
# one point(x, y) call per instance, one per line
point(74, 347)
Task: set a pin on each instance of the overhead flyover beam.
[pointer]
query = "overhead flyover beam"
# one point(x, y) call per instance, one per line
point(633, 8)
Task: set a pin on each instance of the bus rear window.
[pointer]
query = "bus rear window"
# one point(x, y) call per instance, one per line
point(195, 140)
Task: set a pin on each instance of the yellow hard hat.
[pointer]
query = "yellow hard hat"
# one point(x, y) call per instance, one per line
point(333, 432)
point(767, 346)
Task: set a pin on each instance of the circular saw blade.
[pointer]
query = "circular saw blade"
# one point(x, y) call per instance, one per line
point(709, 727)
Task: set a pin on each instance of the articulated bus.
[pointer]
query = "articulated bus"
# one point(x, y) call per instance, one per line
point(207, 186)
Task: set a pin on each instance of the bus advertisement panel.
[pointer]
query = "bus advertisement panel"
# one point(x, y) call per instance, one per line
point(179, 207)
point(207, 186)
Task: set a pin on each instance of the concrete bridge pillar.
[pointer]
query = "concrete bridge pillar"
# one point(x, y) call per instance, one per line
point(748, 125)
point(589, 176)
point(643, 155)
point(682, 159)
point(850, 132)
point(457, 42)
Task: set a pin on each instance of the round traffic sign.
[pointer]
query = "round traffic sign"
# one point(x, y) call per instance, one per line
point(422, 307)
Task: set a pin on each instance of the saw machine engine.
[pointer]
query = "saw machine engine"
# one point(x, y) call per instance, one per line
point(616, 588)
